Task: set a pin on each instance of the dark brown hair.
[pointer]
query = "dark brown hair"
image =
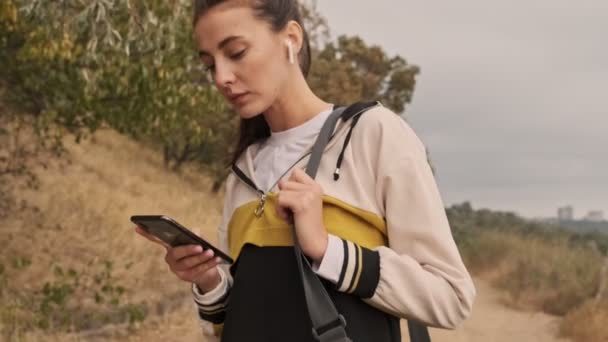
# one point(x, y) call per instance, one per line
point(277, 13)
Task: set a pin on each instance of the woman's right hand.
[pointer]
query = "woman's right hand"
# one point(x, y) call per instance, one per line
point(190, 263)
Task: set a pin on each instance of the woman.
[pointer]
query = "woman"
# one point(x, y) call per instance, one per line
point(374, 227)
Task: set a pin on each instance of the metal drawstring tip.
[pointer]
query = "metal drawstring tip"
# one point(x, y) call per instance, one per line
point(337, 174)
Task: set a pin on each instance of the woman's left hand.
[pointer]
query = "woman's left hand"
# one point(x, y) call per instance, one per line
point(301, 195)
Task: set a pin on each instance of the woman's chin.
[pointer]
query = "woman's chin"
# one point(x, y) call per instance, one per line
point(249, 110)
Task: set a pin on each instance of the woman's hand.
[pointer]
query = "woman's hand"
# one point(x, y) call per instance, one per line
point(301, 195)
point(190, 263)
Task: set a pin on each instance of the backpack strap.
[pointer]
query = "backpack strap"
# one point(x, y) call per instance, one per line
point(327, 131)
point(327, 324)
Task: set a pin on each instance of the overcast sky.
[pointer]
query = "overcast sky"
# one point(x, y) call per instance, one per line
point(511, 100)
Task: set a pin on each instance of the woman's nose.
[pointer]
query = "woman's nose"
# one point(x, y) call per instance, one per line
point(224, 76)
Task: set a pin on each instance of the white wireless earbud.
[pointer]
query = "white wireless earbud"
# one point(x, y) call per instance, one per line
point(290, 49)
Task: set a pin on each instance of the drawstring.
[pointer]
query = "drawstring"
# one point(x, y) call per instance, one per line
point(346, 141)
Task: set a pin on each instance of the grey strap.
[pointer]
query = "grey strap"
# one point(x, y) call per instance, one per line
point(322, 139)
point(327, 324)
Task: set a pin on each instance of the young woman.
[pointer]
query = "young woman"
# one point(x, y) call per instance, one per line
point(372, 222)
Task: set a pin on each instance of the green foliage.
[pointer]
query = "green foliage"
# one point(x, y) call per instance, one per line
point(57, 298)
point(126, 64)
point(540, 265)
point(467, 223)
point(351, 70)
point(134, 313)
point(20, 262)
point(59, 304)
point(132, 65)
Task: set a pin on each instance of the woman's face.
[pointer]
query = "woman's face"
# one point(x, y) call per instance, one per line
point(247, 60)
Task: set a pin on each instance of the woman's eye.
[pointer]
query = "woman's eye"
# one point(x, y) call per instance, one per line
point(210, 68)
point(238, 55)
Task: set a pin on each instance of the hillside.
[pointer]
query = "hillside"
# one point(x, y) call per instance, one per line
point(69, 228)
point(70, 222)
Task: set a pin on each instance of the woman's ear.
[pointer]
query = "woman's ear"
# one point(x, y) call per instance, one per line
point(295, 34)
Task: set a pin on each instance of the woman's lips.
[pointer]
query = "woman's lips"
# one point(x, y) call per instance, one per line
point(238, 98)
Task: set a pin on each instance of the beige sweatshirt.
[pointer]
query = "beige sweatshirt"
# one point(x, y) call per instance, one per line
point(399, 253)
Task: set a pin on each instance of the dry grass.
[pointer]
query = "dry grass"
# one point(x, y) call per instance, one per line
point(589, 322)
point(540, 274)
point(74, 223)
point(549, 275)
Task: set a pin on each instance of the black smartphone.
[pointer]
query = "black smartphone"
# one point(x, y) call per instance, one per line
point(174, 234)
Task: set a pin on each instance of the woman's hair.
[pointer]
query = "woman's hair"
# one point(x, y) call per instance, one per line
point(277, 13)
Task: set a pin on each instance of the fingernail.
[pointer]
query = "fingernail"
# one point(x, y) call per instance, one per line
point(218, 260)
point(198, 249)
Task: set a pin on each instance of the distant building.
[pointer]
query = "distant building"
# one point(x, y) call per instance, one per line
point(595, 216)
point(565, 213)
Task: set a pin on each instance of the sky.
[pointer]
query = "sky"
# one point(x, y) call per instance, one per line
point(511, 98)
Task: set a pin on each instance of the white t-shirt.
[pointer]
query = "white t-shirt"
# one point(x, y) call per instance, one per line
point(282, 149)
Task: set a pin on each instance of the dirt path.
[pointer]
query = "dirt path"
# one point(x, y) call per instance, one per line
point(491, 321)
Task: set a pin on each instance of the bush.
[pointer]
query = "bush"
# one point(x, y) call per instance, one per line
point(587, 322)
point(542, 267)
point(72, 301)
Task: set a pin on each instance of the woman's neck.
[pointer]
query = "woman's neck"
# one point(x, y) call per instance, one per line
point(295, 105)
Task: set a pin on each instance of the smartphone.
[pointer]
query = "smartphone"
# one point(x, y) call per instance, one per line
point(174, 234)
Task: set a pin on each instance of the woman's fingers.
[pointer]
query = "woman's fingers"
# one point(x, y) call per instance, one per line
point(281, 212)
point(284, 213)
point(150, 237)
point(203, 267)
point(298, 175)
point(189, 262)
point(297, 194)
point(292, 185)
point(175, 254)
point(288, 198)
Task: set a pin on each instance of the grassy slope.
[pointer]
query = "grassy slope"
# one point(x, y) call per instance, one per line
point(77, 217)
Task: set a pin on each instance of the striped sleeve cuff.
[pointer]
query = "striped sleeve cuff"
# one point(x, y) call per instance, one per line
point(360, 271)
point(212, 305)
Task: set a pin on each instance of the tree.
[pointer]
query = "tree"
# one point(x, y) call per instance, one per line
point(124, 63)
point(131, 65)
point(350, 70)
